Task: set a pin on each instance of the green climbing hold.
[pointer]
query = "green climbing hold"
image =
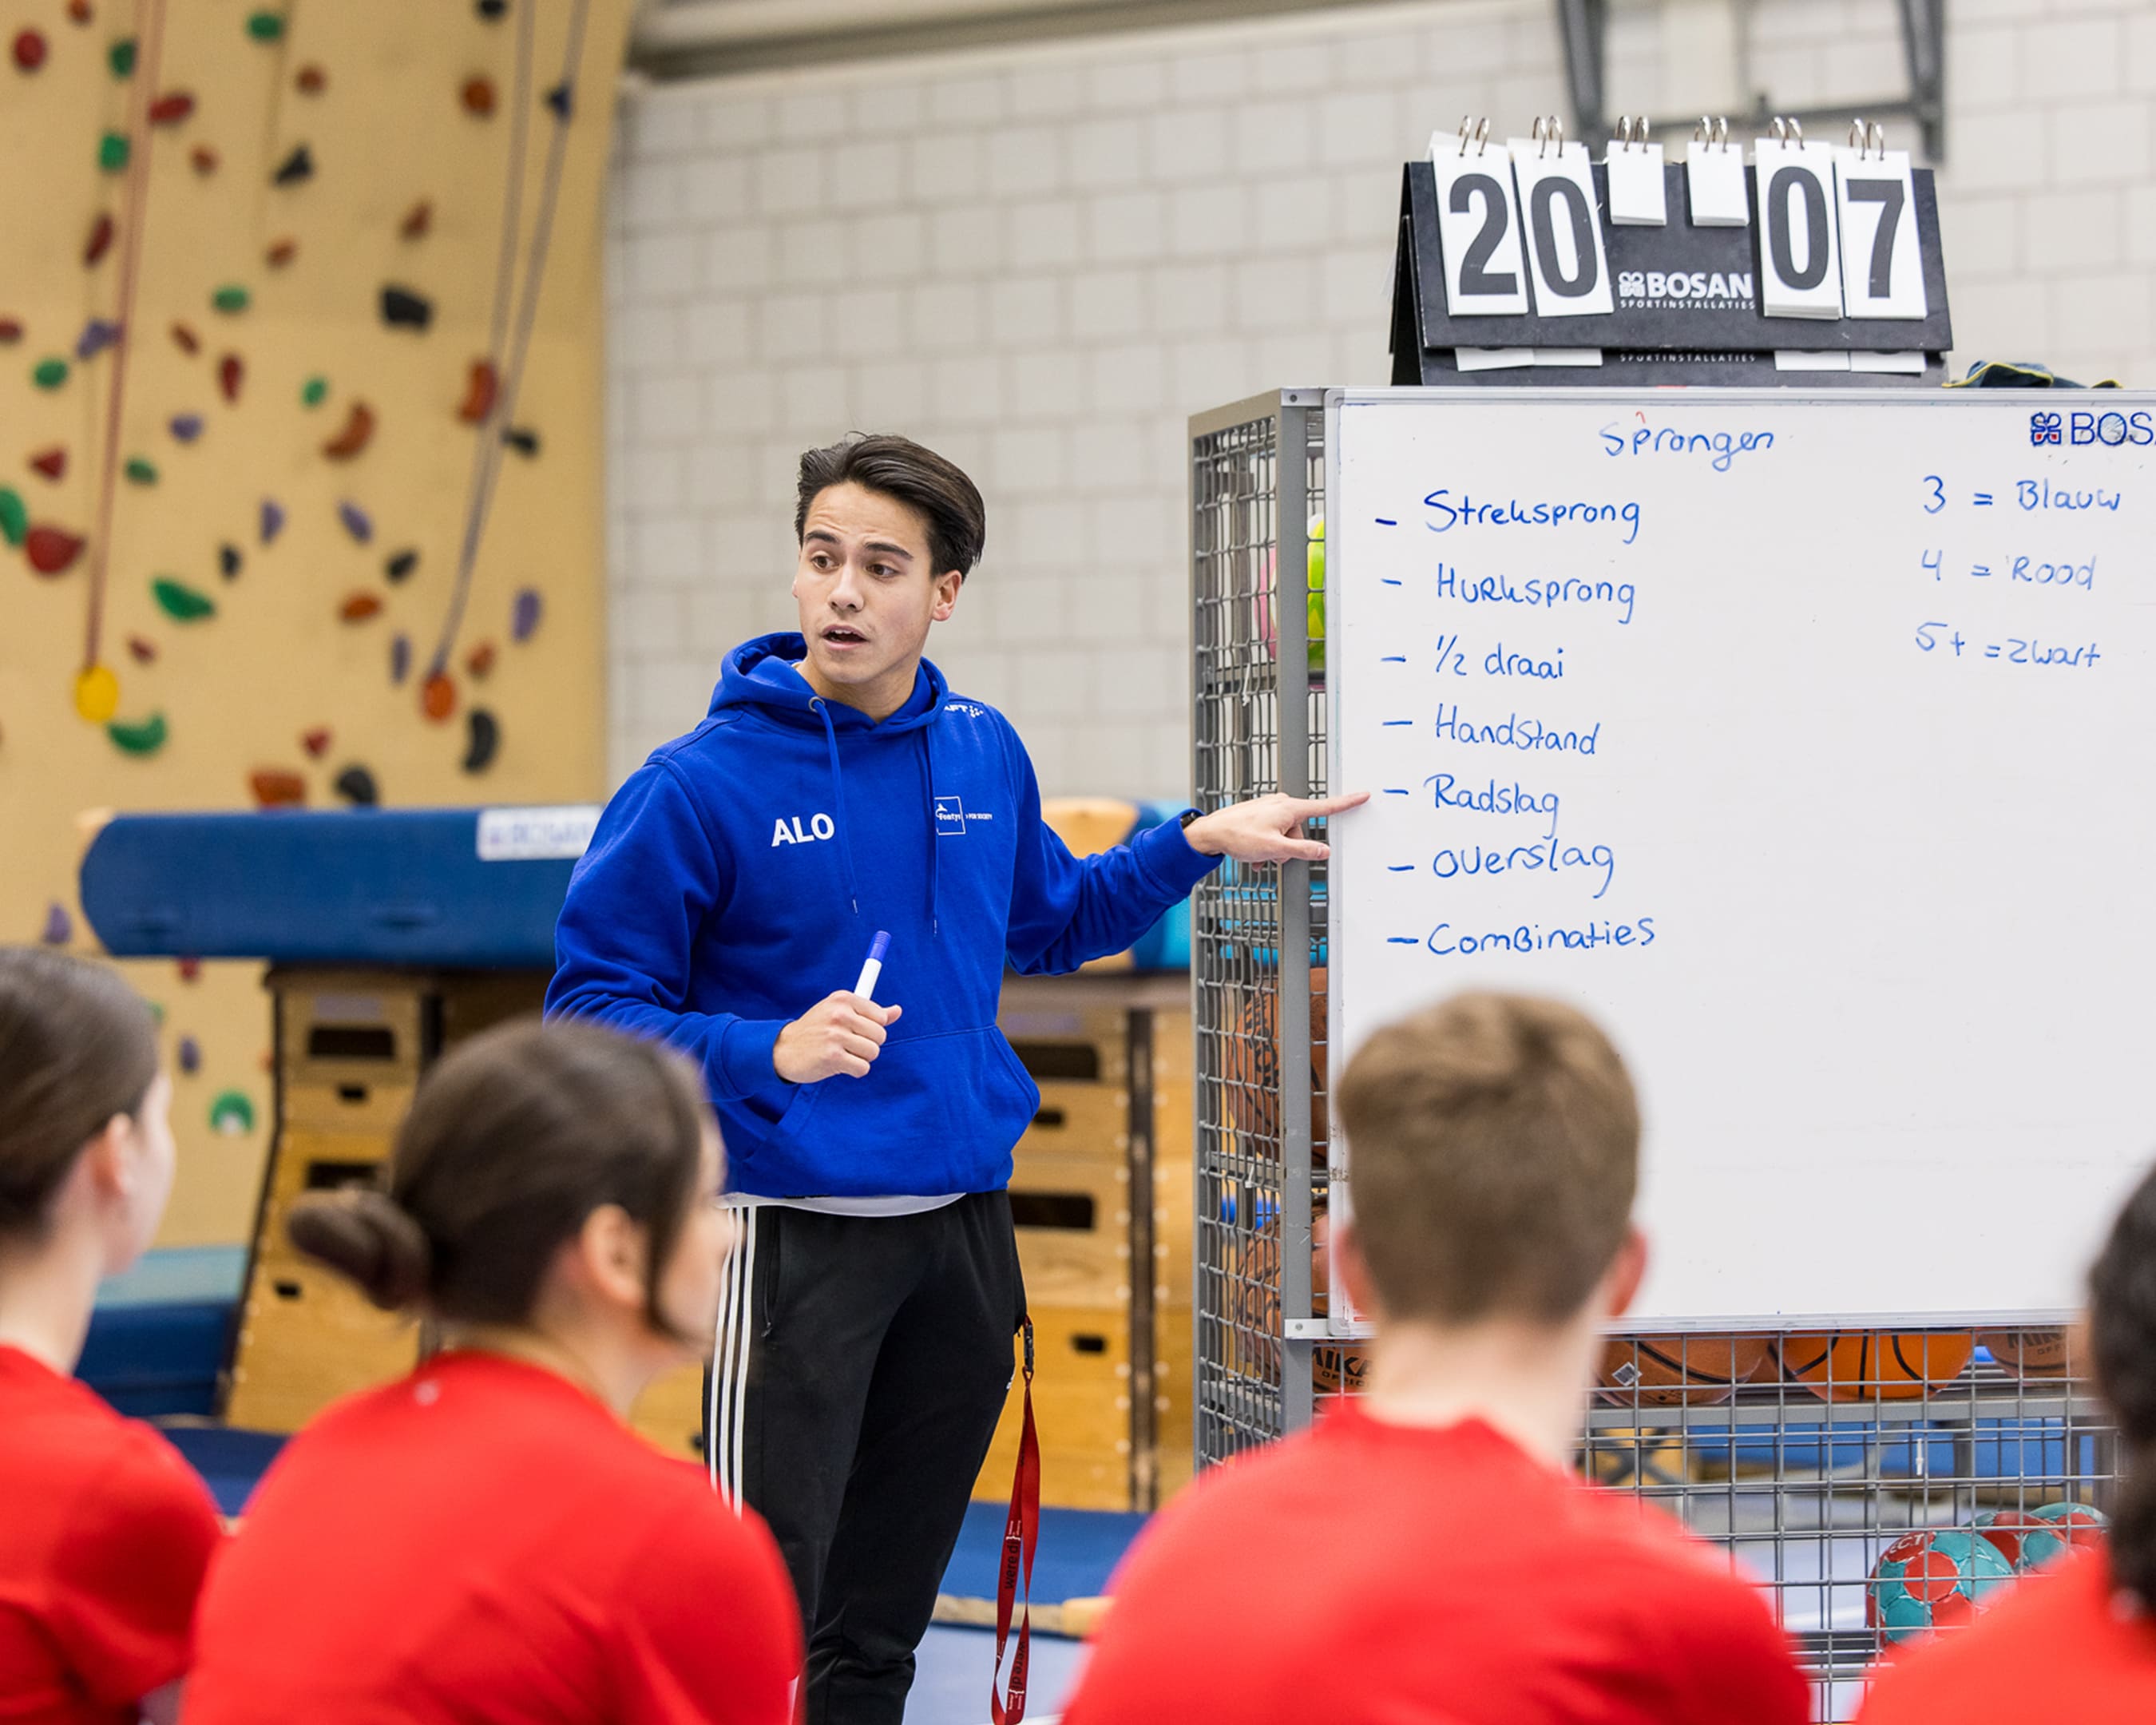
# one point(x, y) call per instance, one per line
point(180, 602)
point(145, 738)
point(50, 373)
point(14, 518)
point(112, 151)
point(314, 390)
point(231, 297)
point(140, 472)
point(265, 26)
point(232, 1113)
point(120, 57)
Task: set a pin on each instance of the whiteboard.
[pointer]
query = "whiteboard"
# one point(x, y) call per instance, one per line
point(1807, 744)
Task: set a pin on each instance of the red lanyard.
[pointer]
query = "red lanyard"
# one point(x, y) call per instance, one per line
point(1020, 1530)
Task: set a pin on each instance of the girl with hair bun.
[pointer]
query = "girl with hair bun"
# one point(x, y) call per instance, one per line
point(484, 1540)
point(105, 1532)
point(2078, 1641)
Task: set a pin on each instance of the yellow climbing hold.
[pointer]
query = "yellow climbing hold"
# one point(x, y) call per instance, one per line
point(97, 694)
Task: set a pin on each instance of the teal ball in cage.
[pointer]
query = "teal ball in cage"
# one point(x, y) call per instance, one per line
point(1932, 1580)
point(2031, 1538)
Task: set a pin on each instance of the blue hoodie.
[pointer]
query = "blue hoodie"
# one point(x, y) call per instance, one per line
point(739, 876)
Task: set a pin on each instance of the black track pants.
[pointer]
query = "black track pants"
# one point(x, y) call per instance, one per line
point(861, 1365)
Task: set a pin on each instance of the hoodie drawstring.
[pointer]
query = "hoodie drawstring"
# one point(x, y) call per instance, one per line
point(935, 849)
point(839, 797)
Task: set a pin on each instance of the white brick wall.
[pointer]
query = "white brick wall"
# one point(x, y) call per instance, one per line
point(1041, 261)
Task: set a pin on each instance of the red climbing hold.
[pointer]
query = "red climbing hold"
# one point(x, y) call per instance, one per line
point(99, 241)
point(478, 393)
point(30, 50)
point(11, 331)
point(282, 252)
point(52, 463)
point(274, 788)
point(204, 159)
point(50, 550)
point(360, 607)
point(230, 371)
point(358, 428)
point(418, 220)
point(172, 108)
point(79, 10)
point(316, 741)
point(145, 652)
point(479, 661)
point(190, 969)
point(479, 96)
point(185, 339)
point(438, 699)
point(311, 79)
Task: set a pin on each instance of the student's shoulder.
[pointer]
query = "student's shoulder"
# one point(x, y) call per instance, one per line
point(143, 1509)
point(1219, 1507)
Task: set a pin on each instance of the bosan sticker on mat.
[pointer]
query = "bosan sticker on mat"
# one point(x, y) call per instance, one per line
point(536, 834)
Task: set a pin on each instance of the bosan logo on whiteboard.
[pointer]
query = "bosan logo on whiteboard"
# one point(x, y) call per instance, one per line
point(2092, 427)
point(1684, 290)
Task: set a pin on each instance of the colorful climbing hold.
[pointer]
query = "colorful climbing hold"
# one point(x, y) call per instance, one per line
point(50, 373)
point(561, 99)
point(273, 519)
point(358, 606)
point(314, 392)
point(181, 603)
point(315, 741)
point(401, 564)
point(188, 1055)
point(281, 252)
point(96, 693)
point(299, 166)
point(357, 786)
point(356, 520)
point(265, 26)
point(99, 241)
point(275, 787)
point(112, 152)
point(187, 426)
point(492, 10)
point(231, 373)
point(479, 663)
point(51, 549)
point(483, 737)
point(522, 440)
point(417, 220)
point(52, 463)
point(400, 306)
point(481, 388)
point(30, 50)
point(186, 340)
point(145, 738)
point(358, 428)
point(189, 967)
point(400, 660)
point(59, 927)
point(140, 472)
point(230, 299)
point(202, 159)
point(97, 335)
point(14, 517)
point(478, 96)
point(11, 331)
point(172, 108)
point(311, 79)
point(228, 561)
point(438, 696)
point(120, 57)
point(143, 652)
point(232, 1113)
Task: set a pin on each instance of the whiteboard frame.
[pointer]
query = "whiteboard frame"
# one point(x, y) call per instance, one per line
point(1342, 1323)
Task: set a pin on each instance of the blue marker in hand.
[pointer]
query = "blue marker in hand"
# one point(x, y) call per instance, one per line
point(866, 988)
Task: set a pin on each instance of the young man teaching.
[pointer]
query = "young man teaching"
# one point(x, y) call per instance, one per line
point(1426, 1553)
point(839, 790)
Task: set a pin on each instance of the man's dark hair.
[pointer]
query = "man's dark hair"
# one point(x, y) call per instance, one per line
point(899, 467)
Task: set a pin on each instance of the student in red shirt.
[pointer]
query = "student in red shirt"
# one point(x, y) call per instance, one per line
point(2078, 1642)
point(1426, 1553)
point(484, 1541)
point(105, 1532)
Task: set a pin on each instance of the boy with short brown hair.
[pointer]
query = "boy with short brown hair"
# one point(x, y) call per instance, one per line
point(1426, 1553)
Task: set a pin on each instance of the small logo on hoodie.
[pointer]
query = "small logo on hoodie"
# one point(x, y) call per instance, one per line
point(783, 833)
point(950, 818)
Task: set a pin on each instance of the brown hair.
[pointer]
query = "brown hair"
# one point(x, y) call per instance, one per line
point(511, 1142)
point(2123, 1337)
point(77, 1047)
point(920, 478)
point(1494, 1142)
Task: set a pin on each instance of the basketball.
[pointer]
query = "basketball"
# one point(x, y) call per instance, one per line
point(1338, 1369)
point(2032, 1354)
point(1250, 1066)
point(1876, 1365)
point(1678, 1371)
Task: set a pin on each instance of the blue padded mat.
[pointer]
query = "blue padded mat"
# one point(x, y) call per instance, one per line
point(230, 1461)
point(1078, 1549)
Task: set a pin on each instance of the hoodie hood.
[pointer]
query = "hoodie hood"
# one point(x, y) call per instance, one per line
point(765, 673)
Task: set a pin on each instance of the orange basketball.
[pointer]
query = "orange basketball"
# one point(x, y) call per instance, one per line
point(1251, 1063)
point(1876, 1365)
point(1679, 1371)
point(2033, 1353)
point(1337, 1368)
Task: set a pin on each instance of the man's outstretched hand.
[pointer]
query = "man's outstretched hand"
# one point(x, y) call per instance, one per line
point(1268, 828)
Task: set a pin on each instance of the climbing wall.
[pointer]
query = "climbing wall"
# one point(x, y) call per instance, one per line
point(300, 445)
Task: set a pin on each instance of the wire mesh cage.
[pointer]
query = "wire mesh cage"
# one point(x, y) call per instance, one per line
point(1879, 1485)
